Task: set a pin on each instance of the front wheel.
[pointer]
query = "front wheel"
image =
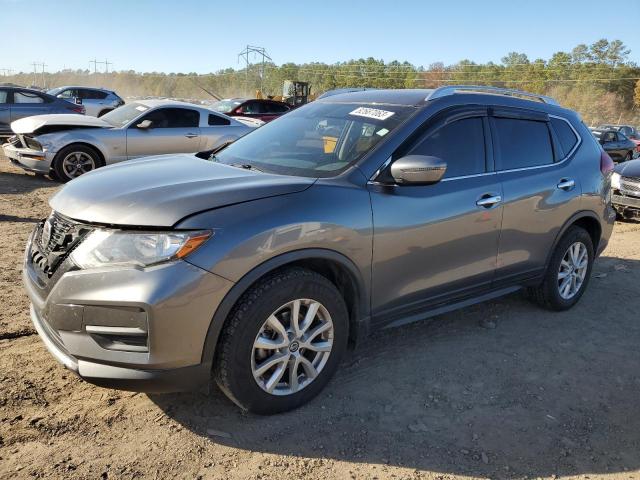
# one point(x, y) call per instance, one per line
point(75, 160)
point(568, 272)
point(628, 157)
point(282, 342)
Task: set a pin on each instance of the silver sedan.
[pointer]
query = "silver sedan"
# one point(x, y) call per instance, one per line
point(66, 146)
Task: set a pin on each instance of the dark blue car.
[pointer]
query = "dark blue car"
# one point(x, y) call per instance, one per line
point(18, 102)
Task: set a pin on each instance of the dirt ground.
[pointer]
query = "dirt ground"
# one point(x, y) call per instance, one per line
point(499, 390)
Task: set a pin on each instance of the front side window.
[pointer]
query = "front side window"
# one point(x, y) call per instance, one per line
point(460, 144)
point(253, 108)
point(27, 97)
point(609, 137)
point(522, 143)
point(225, 106)
point(317, 140)
point(173, 118)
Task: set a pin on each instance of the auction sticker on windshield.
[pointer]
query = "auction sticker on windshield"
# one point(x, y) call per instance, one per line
point(374, 113)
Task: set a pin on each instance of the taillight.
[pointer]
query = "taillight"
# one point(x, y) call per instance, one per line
point(606, 164)
point(77, 109)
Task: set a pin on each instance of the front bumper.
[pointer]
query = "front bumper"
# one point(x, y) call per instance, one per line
point(28, 158)
point(86, 317)
point(626, 204)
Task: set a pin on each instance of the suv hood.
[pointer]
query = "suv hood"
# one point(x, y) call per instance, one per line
point(160, 191)
point(35, 123)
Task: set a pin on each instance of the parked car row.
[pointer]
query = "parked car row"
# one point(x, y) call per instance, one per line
point(259, 267)
point(621, 147)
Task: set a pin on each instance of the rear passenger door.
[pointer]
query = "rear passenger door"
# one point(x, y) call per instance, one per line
point(172, 130)
point(533, 153)
point(436, 243)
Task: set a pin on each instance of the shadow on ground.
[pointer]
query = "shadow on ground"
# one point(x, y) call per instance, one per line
point(22, 182)
point(543, 393)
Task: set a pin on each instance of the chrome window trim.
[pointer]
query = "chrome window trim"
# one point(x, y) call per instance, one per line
point(372, 180)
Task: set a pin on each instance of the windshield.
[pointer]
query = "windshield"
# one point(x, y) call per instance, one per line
point(124, 114)
point(55, 91)
point(225, 106)
point(317, 140)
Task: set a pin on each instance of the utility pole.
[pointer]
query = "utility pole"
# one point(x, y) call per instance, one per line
point(106, 65)
point(6, 72)
point(95, 64)
point(257, 52)
point(43, 82)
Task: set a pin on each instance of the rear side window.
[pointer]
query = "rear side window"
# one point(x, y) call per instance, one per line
point(217, 120)
point(3, 96)
point(93, 95)
point(522, 143)
point(565, 134)
point(460, 144)
point(27, 97)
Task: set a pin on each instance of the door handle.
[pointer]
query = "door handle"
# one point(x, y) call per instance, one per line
point(191, 135)
point(488, 200)
point(566, 184)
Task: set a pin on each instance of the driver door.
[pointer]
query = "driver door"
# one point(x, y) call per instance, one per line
point(438, 243)
point(171, 130)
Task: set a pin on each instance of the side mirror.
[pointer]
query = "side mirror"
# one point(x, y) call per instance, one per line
point(77, 100)
point(418, 170)
point(144, 125)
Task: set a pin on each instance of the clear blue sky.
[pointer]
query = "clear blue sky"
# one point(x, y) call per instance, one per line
point(204, 36)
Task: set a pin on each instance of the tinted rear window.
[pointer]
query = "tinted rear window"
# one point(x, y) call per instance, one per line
point(522, 143)
point(565, 134)
point(217, 120)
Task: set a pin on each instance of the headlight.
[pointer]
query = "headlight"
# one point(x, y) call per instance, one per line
point(103, 248)
point(615, 181)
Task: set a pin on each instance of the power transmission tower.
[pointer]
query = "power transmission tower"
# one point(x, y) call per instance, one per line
point(43, 82)
point(257, 52)
point(6, 71)
point(35, 72)
point(95, 62)
point(106, 65)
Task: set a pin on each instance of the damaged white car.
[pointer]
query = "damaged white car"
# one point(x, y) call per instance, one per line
point(66, 146)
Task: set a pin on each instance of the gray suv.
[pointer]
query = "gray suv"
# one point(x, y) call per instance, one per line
point(97, 101)
point(263, 264)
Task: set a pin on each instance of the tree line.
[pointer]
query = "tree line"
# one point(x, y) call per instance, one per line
point(597, 80)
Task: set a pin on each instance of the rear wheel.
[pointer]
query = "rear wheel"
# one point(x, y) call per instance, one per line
point(282, 342)
point(75, 160)
point(628, 157)
point(568, 272)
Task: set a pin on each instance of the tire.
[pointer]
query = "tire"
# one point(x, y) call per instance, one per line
point(628, 157)
point(88, 156)
point(549, 293)
point(103, 112)
point(238, 358)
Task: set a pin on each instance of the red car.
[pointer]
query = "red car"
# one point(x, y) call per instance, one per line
point(265, 110)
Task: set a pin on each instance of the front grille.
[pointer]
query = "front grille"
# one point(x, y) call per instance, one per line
point(625, 201)
point(630, 185)
point(54, 240)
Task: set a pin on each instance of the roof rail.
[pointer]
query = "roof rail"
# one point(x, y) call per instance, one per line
point(453, 89)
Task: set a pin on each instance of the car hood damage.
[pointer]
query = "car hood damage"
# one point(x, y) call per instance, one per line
point(41, 124)
point(160, 191)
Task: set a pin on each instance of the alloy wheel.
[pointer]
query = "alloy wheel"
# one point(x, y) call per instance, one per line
point(77, 163)
point(573, 270)
point(292, 347)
